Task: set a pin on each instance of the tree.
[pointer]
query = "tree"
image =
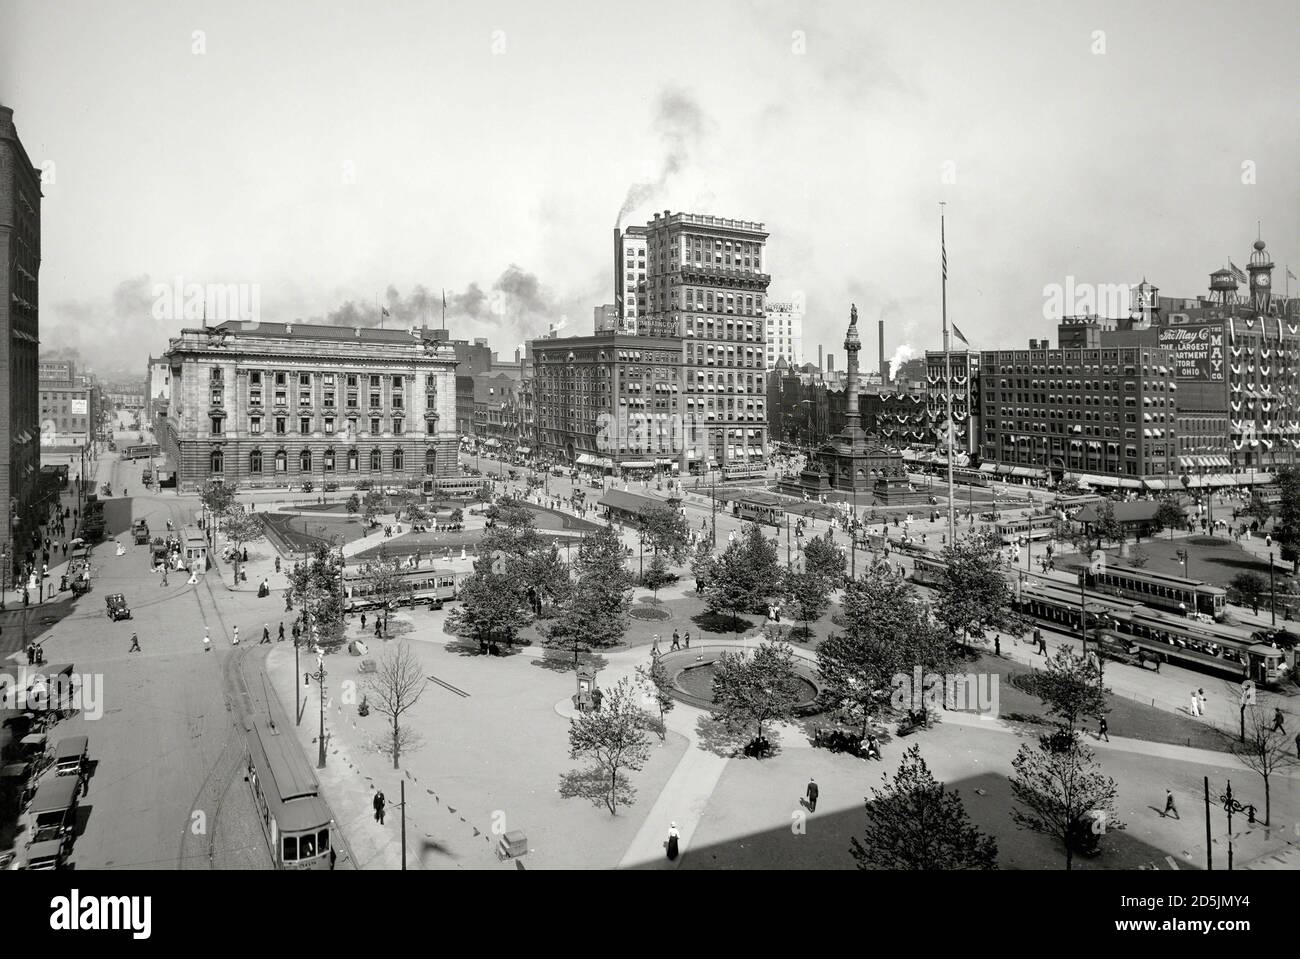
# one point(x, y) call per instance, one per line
point(241, 528)
point(1257, 509)
point(976, 597)
point(493, 605)
point(745, 576)
point(317, 581)
point(885, 631)
point(666, 532)
point(1106, 527)
point(1137, 557)
point(1286, 529)
point(386, 585)
point(702, 564)
point(1071, 687)
point(1060, 792)
point(354, 504)
point(218, 497)
point(614, 738)
point(372, 506)
point(809, 595)
point(822, 557)
point(917, 823)
point(416, 513)
point(396, 686)
point(1264, 751)
point(1169, 515)
point(1250, 588)
point(594, 613)
point(657, 574)
point(659, 685)
point(755, 689)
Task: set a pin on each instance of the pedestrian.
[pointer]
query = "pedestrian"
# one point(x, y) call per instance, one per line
point(235, 638)
point(207, 640)
point(280, 638)
point(1102, 728)
point(1170, 807)
point(1277, 720)
point(1205, 702)
point(997, 644)
point(812, 795)
point(135, 644)
point(654, 646)
point(295, 632)
point(363, 622)
point(379, 806)
point(164, 579)
point(266, 634)
point(1196, 704)
point(677, 642)
point(1297, 744)
point(672, 844)
point(687, 637)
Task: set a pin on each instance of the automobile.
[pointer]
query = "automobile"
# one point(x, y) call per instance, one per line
point(116, 607)
point(308, 486)
point(331, 487)
point(363, 486)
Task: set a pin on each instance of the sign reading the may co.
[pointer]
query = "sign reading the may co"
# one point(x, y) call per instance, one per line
point(1198, 351)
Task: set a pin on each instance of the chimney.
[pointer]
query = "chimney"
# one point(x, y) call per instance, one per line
point(821, 359)
point(516, 354)
point(884, 364)
point(830, 362)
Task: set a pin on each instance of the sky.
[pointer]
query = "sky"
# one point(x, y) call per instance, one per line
point(330, 156)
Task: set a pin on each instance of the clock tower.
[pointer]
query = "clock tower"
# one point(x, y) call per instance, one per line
point(1261, 279)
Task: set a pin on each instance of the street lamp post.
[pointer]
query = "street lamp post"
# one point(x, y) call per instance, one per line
point(1272, 590)
point(319, 676)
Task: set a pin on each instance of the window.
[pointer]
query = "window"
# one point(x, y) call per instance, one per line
point(216, 397)
point(329, 425)
point(217, 461)
point(281, 398)
point(281, 425)
point(304, 424)
point(397, 382)
point(255, 378)
point(374, 382)
point(290, 849)
point(374, 424)
point(304, 379)
point(216, 374)
point(255, 461)
point(352, 381)
point(430, 462)
point(352, 460)
point(281, 379)
point(304, 461)
point(255, 425)
point(397, 426)
point(374, 399)
point(281, 462)
point(329, 399)
point(328, 461)
point(217, 429)
point(352, 400)
point(375, 456)
point(397, 459)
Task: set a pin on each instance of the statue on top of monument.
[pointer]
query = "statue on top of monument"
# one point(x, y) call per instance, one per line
point(853, 315)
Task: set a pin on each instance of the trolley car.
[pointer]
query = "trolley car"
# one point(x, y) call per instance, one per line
point(296, 821)
point(1161, 590)
point(929, 572)
point(1032, 527)
point(429, 585)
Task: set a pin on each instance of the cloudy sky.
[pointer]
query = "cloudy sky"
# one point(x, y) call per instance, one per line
point(328, 153)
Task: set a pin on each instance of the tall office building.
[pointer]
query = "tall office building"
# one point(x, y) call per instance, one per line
point(20, 252)
point(705, 283)
point(629, 278)
point(604, 319)
point(784, 334)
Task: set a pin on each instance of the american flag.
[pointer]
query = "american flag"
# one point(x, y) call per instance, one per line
point(957, 333)
point(943, 252)
point(1237, 275)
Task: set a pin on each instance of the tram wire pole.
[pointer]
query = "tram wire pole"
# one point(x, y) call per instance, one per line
point(1209, 842)
point(402, 796)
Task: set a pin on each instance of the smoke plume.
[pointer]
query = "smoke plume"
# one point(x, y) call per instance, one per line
point(680, 124)
point(901, 356)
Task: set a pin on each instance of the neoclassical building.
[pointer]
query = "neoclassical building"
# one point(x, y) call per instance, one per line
point(273, 404)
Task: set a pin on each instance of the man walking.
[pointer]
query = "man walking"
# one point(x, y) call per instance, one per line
point(812, 795)
point(207, 640)
point(235, 637)
point(280, 638)
point(135, 644)
point(266, 635)
point(1277, 721)
point(1102, 729)
point(379, 806)
point(687, 637)
point(1170, 807)
point(1195, 707)
point(677, 641)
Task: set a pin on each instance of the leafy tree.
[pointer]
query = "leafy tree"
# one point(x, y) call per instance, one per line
point(217, 497)
point(1264, 751)
point(885, 631)
point(493, 605)
point(354, 504)
point(657, 574)
point(416, 512)
point(1169, 515)
point(1138, 558)
point(659, 685)
point(317, 581)
point(1286, 529)
point(385, 584)
point(1258, 510)
point(666, 531)
point(702, 563)
point(1071, 687)
point(372, 506)
point(594, 613)
point(1106, 527)
point(1057, 786)
point(241, 528)
point(1251, 588)
point(822, 557)
point(809, 596)
point(917, 823)
point(614, 738)
point(457, 515)
point(396, 686)
point(745, 576)
point(976, 598)
point(755, 689)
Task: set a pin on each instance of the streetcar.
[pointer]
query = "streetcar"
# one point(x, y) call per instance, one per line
point(929, 572)
point(968, 477)
point(140, 451)
point(766, 508)
point(427, 585)
point(742, 472)
point(1011, 531)
point(296, 820)
point(1161, 590)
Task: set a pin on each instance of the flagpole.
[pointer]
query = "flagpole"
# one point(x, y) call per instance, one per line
point(947, 362)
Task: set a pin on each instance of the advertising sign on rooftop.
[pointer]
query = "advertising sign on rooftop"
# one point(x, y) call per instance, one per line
point(1198, 351)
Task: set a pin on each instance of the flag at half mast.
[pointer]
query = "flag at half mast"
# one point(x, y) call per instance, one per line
point(958, 333)
point(1237, 273)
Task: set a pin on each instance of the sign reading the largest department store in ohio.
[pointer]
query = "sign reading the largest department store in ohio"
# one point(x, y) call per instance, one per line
point(1198, 351)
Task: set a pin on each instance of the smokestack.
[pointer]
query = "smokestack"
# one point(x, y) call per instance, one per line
point(884, 364)
point(830, 362)
point(821, 358)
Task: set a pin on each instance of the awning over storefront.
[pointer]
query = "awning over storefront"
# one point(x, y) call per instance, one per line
point(1157, 484)
point(523, 449)
point(637, 465)
point(588, 459)
point(988, 467)
point(491, 442)
point(1005, 470)
point(664, 461)
point(1026, 471)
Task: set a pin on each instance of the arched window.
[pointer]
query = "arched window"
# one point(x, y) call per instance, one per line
point(352, 460)
point(281, 461)
point(255, 461)
point(397, 459)
point(430, 462)
point(375, 460)
point(217, 461)
point(328, 461)
point(304, 461)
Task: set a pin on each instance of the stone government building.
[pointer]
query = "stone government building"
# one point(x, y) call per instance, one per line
point(287, 403)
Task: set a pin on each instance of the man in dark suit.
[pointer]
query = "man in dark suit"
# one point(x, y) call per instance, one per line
point(812, 795)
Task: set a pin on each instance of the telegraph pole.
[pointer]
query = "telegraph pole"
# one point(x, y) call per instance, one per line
point(947, 362)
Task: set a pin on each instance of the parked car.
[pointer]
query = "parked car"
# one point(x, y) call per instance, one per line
point(331, 487)
point(308, 486)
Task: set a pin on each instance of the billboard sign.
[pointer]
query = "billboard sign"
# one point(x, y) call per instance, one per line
point(1197, 349)
point(79, 407)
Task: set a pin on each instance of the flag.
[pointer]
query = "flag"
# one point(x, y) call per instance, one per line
point(444, 301)
point(1236, 272)
point(383, 311)
point(1291, 275)
point(943, 253)
point(957, 333)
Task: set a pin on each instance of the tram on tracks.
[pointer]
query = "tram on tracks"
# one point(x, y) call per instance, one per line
point(1161, 590)
point(296, 820)
point(927, 571)
point(1011, 531)
point(430, 585)
point(1162, 636)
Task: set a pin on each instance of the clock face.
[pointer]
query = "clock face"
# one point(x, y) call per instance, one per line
point(1261, 280)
